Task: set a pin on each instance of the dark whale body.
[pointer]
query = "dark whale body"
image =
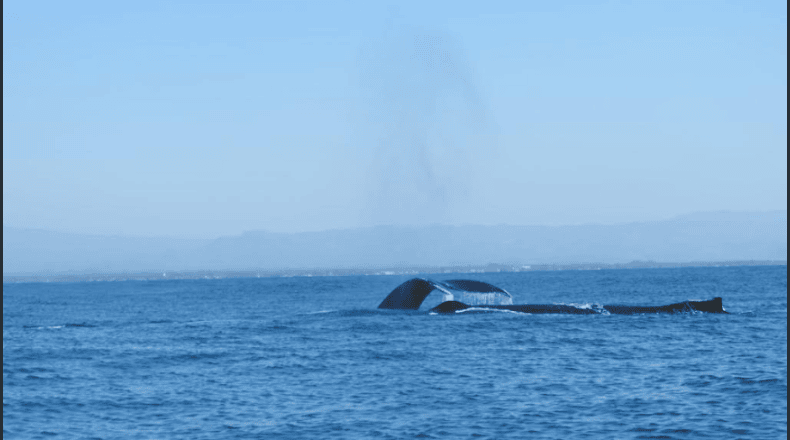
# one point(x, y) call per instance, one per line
point(712, 306)
point(411, 294)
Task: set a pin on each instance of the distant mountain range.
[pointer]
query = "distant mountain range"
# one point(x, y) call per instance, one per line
point(715, 236)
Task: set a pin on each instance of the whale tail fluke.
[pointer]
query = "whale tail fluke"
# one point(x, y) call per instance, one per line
point(409, 295)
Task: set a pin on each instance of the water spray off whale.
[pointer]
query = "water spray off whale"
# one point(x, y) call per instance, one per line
point(425, 127)
point(483, 296)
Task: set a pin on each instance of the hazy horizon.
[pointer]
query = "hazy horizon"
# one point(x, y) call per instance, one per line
point(691, 216)
point(701, 237)
point(207, 120)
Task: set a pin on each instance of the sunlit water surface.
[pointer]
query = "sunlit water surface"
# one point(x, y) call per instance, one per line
point(313, 358)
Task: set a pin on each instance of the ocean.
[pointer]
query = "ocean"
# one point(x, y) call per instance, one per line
point(313, 357)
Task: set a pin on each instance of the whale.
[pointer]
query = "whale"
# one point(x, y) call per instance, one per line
point(411, 294)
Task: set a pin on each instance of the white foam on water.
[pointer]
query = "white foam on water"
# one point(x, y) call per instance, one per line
point(579, 305)
point(485, 309)
point(587, 306)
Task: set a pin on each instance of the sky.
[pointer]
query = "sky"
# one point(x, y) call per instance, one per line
point(205, 119)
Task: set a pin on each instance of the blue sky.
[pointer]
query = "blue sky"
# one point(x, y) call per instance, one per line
point(207, 119)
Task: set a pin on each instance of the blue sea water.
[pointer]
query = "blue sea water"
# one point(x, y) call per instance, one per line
point(306, 357)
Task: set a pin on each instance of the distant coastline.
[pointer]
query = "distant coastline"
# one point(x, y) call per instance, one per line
point(414, 270)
